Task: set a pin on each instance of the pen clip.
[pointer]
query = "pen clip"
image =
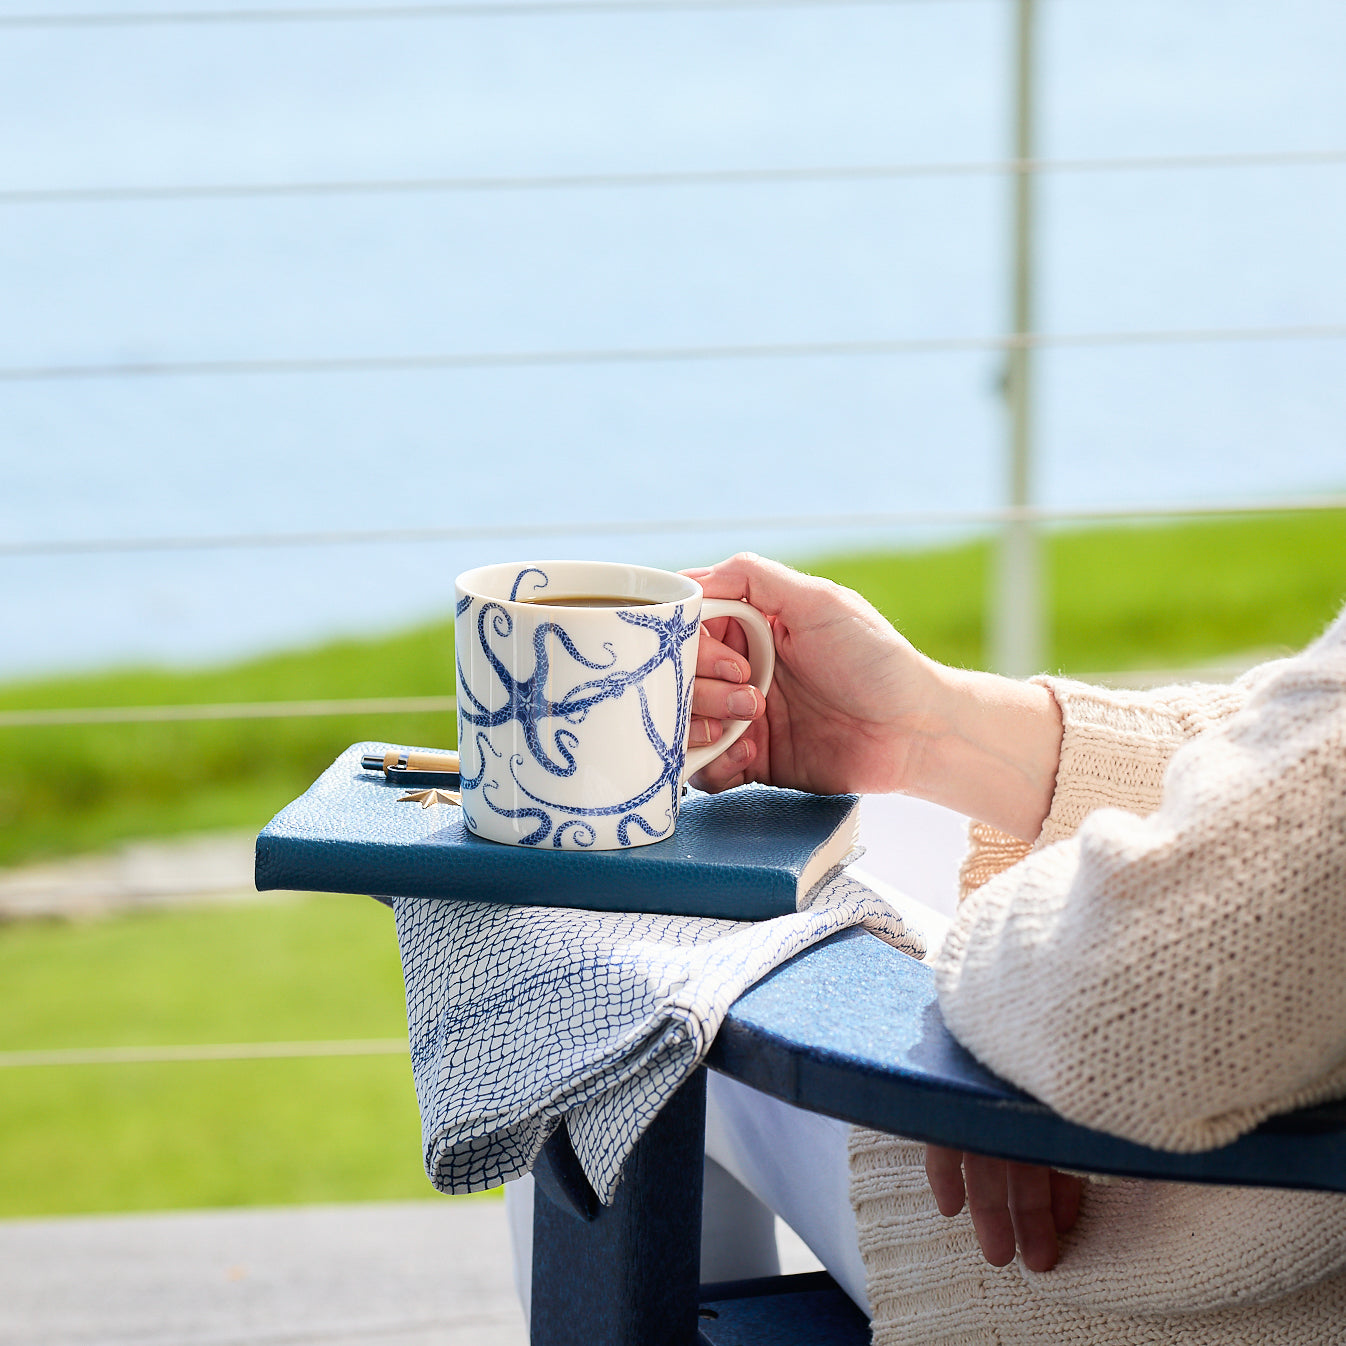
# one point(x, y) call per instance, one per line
point(448, 780)
point(414, 766)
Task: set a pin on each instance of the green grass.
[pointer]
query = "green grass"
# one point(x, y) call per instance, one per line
point(85, 787)
point(87, 1139)
point(1157, 596)
point(318, 967)
point(212, 1133)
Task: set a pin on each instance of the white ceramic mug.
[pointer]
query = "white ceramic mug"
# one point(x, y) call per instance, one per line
point(573, 718)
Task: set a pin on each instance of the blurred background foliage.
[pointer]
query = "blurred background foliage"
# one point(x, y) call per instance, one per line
point(153, 1136)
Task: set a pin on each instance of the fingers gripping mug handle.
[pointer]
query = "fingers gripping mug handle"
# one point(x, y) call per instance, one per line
point(762, 659)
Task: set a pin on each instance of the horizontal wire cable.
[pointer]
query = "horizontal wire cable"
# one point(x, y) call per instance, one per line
point(672, 178)
point(206, 1051)
point(230, 710)
point(53, 719)
point(696, 525)
point(384, 13)
point(374, 364)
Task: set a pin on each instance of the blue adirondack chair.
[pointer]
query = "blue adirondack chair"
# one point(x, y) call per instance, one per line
point(849, 1028)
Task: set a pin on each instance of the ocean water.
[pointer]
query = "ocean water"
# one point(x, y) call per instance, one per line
point(405, 274)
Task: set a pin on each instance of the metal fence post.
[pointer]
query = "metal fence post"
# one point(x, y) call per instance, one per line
point(1017, 641)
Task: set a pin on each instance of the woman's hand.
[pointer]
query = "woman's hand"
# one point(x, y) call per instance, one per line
point(1012, 1205)
point(855, 707)
point(848, 698)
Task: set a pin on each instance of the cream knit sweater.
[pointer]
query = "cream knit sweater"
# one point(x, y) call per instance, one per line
point(1168, 964)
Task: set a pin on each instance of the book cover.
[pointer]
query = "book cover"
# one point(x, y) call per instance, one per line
point(747, 854)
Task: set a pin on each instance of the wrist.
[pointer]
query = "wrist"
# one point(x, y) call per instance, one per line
point(991, 749)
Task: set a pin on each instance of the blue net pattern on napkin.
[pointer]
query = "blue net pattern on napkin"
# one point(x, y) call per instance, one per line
point(520, 1015)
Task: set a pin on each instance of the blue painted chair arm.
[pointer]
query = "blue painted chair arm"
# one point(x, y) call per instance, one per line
point(851, 1028)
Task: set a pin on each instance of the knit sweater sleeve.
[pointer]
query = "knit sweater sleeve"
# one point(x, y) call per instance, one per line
point(1116, 745)
point(1174, 978)
point(1115, 748)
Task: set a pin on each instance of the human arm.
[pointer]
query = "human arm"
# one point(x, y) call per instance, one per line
point(855, 707)
point(1187, 968)
point(976, 733)
point(1115, 749)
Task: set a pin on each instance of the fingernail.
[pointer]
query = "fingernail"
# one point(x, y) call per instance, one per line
point(728, 671)
point(740, 752)
point(700, 733)
point(743, 703)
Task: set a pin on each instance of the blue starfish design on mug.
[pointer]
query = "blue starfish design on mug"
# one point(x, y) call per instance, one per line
point(526, 702)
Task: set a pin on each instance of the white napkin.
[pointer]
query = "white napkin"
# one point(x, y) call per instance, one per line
point(521, 1015)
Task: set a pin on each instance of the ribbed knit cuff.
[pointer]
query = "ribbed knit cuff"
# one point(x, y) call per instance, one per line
point(1116, 745)
point(924, 1274)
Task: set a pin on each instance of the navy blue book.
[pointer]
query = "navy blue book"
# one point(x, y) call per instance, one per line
point(747, 854)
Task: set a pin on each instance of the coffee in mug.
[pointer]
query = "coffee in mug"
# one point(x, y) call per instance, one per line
point(575, 698)
point(590, 601)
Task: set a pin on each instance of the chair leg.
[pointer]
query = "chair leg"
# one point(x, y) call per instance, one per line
point(625, 1274)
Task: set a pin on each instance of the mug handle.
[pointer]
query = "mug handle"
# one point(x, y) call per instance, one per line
point(762, 658)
